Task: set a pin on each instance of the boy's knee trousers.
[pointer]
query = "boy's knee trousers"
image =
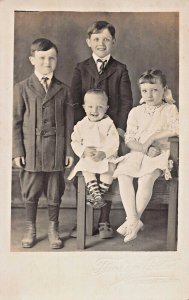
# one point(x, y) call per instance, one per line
point(33, 184)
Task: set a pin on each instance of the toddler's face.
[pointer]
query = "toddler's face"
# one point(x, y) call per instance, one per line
point(95, 107)
point(152, 94)
point(44, 61)
point(101, 43)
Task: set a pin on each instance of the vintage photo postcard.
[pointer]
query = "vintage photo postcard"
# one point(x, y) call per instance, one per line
point(94, 119)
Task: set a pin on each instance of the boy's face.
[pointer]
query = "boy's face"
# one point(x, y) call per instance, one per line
point(95, 107)
point(101, 43)
point(44, 61)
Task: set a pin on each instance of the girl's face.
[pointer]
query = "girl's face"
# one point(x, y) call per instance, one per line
point(95, 107)
point(152, 93)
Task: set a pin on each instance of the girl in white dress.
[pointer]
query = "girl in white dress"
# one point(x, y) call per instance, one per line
point(148, 128)
point(95, 141)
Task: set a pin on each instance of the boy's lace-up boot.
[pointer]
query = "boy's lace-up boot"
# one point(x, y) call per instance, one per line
point(53, 235)
point(30, 236)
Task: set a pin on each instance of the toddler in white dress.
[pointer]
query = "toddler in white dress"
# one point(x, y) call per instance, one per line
point(148, 128)
point(95, 141)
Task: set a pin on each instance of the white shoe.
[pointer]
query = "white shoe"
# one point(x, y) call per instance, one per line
point(134, 229)
point(123, 229)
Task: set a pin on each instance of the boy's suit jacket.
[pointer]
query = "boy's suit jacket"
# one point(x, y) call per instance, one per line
point(41, 130)
point(114, 80)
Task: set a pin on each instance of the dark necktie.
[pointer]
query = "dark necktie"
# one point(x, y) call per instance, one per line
point(102, 66)
point(44, 83)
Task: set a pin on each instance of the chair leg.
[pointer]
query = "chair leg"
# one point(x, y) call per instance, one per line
point(172, 215)
point(89, 220)
point(81, 207)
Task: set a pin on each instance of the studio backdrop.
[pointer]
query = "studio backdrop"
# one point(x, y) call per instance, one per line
point(143, 41)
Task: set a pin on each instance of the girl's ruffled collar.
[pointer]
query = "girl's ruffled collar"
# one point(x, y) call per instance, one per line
point(150, 110)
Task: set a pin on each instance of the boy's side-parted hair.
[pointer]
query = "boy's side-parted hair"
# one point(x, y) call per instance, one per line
point(42, 44)
point(97, 26)
point(97, 92)
point(152, 76)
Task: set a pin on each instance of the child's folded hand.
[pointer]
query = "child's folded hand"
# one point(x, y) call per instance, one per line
point(153, 151)
point(100, 155)
point(89, 152)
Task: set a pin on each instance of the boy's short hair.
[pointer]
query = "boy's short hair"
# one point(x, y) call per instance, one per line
point(42, 44)
point(97, 26)
point(97, 92)
point(152, 76)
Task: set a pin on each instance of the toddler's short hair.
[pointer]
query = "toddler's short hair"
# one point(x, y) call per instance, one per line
point(152, 76)
point(97, 26)
point(97, 92)
point(42, 44)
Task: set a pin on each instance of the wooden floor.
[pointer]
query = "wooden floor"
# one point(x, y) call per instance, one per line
point(153, 238)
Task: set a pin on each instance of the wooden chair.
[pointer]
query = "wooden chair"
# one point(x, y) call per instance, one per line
point(164, 192)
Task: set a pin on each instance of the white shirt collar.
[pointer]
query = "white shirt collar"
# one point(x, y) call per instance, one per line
point(40, 76)
point(95, 57)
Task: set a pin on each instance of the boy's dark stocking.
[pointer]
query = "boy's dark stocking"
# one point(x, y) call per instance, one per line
point(53, 213)
point(31, 211)
point(30, 236)
point(53, 235)
point(105, 231)
point(105, 213)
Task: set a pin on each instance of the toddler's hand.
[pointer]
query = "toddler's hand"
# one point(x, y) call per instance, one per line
point(20, 161)
point(146, 146)
point(89, 152)
point(153, 151)
point(69, 161)
point(100, 155)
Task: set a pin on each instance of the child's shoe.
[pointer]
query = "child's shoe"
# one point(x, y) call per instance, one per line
point(90, 200)
point(133, 230)
point(105, 231)
point(123, 228)
point(95, 201)
point(53, 235)
point(30, 236)
point(98, 202)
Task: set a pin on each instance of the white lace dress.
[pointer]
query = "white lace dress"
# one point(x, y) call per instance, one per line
point(103, 136)
point(143, 121)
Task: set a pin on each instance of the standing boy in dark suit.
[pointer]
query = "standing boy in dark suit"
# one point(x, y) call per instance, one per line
point(102, 71)
point(41, 138)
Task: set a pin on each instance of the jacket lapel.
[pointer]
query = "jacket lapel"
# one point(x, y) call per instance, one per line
point(38, 89)
point(109, 70)
point(54, 87)
point(36, 86)
point(92, 68)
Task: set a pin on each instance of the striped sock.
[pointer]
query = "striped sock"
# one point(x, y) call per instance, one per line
point(104, 187)
point(93, 189)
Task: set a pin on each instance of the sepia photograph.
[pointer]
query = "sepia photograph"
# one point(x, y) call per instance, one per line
point(94, 151)
point(116, 210)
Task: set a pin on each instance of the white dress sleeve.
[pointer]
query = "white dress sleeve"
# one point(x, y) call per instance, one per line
point(132, 126)
point(173, 119)
point(77, 141)
point(112, 142)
